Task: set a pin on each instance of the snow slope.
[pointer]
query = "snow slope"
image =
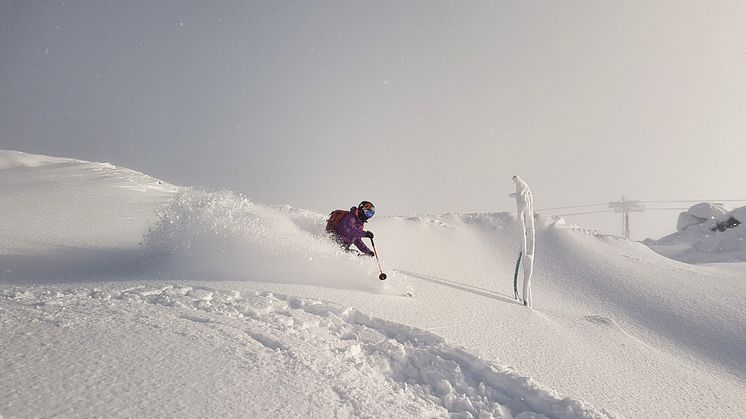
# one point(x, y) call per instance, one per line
point(125, 296)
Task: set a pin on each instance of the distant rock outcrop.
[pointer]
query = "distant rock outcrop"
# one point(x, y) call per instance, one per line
point(699, 213)
point(707, 233)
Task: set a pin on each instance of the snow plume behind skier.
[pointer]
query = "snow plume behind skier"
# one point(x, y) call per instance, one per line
point(525, 205)
point(346, 227)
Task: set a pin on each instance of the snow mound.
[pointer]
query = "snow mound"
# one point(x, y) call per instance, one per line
point(72, 219)
point(708, 233)
point(371, 366)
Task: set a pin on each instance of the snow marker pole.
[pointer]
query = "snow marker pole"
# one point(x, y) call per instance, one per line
point(382, 276)
point(515, 276)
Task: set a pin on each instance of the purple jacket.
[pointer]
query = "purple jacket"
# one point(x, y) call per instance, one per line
point(350, 230)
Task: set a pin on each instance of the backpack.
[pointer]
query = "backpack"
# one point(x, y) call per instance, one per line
point(334, 218)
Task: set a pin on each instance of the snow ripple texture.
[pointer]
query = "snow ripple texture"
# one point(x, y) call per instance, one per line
point(376, 368)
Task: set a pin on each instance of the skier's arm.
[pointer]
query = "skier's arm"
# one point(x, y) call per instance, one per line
point(363, 248)
point(349, 229)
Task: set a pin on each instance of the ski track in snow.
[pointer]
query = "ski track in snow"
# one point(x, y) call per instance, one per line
point(368, 362)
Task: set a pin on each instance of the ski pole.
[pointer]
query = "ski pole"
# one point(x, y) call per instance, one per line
point(382, 276)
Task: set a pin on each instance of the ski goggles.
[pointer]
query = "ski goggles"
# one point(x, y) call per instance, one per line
point(368, 209)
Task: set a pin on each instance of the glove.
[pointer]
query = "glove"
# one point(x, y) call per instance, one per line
point(369, 234)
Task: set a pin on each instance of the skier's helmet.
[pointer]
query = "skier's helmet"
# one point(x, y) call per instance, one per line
point(366, 210)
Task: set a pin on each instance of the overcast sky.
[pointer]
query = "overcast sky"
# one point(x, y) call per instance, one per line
point(418, 106)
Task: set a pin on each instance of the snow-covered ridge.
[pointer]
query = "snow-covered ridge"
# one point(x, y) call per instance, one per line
point(10, 159)
point(65, 205)
point(64, 168)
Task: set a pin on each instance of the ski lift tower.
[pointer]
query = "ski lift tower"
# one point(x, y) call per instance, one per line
point(626, 206)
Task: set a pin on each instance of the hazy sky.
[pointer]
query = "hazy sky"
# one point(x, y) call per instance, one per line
point(418, 106)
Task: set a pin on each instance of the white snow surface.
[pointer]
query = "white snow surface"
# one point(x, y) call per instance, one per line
point(124, 296)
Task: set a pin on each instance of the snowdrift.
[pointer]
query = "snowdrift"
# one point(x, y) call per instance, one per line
point(256, 313)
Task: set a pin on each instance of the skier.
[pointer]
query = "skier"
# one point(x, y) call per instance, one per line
point(525, 203)
point(346, 227)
